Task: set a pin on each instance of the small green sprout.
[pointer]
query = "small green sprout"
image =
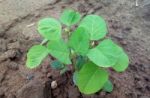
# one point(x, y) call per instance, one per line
point(85, 48)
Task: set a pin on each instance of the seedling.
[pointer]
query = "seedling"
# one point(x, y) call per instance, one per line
point(85, 48)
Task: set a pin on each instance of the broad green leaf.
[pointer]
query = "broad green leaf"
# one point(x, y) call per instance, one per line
point(108, 87)
point(91, 78)
point(57, 65)
point(122, 62)
point(70, 17)
point(59, 50)
point(105, 54)
point(35, 56)
point(79, 41)
point(95, 26)
point(49, 28)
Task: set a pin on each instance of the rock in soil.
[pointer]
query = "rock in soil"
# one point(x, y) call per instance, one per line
point(54, 84)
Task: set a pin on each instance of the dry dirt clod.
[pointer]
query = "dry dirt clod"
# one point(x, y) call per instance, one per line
point(3, 43)
point(8, 54)
point(14, 45)
point(44, 70)
point(53, 84)
point(144, 97)
point(34, 89)
point(13, 66)
point(144, 12)
point(1, 77)
point(2, 32)
point(49, 75)
point(1, 93)
point(11, 96)
point(73, 92)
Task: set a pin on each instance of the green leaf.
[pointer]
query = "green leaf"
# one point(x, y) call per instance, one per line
point(105, 54)
point(49, 28)
point(91, 78)
point(122, 62)
point(35, 56)
point(57, 65)
point(59, 50)
point(95, 26)
point(79, 41)
point(70, 17)
point(108, 87)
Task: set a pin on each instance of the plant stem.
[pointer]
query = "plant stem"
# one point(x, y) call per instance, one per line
point(44, 41)
point(74, 63)
point(73, 60)
point(67, 32)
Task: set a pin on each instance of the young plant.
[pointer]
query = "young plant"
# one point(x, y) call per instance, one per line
point(85, 48)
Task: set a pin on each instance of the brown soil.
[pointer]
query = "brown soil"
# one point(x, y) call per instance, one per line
point(128, 25)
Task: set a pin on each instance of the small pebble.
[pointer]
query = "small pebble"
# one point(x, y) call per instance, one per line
point(53, 84)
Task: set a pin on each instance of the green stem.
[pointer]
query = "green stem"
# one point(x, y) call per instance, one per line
point(67, 31)
point(44, 41)
point(73, 57)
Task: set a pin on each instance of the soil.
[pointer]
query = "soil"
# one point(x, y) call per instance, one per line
point(128, 26)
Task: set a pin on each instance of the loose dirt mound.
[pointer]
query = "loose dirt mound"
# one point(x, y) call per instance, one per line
point(128, 25)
